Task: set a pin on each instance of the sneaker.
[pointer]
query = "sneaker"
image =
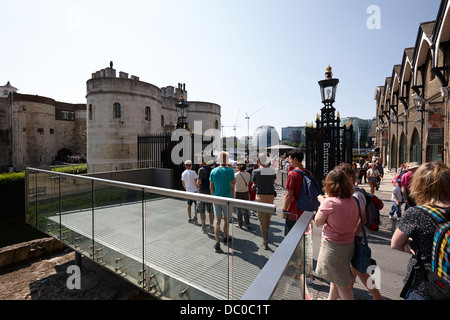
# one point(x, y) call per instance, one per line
point(217, 248)
point(191, 220)
point(211, 229)
point(204, 230)
point(265, 246)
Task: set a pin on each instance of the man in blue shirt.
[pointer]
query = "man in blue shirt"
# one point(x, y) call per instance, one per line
point(221, 183)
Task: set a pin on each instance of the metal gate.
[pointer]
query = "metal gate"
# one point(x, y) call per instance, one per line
point(155, 151)
point(328, 144)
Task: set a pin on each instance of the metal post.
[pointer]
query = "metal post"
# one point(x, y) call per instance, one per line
point(78, 261)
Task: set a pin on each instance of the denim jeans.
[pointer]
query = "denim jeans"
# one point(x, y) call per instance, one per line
point(396, 209)
point(411, 295)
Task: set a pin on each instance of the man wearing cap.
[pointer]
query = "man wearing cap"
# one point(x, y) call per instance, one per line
point(406, 184)
point(189, 180)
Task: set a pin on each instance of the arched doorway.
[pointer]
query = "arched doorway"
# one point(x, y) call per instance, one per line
point(63, 155)
point(415, 150)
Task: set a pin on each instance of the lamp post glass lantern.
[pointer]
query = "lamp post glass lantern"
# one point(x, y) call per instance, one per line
point(419, 103)
point(182, 113)
point(328, 87)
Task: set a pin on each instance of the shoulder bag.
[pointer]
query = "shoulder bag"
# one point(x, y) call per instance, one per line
point(361, 259)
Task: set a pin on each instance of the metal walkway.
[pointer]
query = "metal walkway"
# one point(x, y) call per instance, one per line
point(177, 248)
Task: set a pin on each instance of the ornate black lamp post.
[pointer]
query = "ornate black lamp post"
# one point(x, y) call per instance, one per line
point(419, 103)
point(182, 113)
point(328, 144)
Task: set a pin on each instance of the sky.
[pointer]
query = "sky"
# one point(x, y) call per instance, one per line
point(256, 58)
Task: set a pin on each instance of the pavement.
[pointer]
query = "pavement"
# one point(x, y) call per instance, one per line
point(392, 264)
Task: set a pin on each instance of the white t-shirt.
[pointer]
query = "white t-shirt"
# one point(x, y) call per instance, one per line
point(189, 176)
point(398, 192)
point(242, 180)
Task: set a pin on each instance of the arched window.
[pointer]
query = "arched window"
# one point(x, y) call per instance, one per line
point(148, 115)
point(216, 124)
point(117, 111)
point(162, 121)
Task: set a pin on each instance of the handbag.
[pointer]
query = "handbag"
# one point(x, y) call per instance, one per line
point(361, 259)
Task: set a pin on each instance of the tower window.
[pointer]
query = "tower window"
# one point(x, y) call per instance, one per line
point(91, 112)
point(117, 111)
point(148, 115)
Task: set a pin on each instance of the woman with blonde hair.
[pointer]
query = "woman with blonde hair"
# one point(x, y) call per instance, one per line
point(416, 229)
point(338, 214)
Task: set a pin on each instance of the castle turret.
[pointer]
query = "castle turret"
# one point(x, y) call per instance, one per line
point(6, 90)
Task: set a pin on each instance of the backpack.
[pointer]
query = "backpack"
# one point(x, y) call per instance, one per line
point(310, 191)
point(372, 209)
point(438, 279)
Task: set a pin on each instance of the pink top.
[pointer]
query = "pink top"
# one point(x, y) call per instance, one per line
point(342, 218)
point(406, 180)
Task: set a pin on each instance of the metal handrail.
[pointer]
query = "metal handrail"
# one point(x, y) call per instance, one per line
point(265, 284)
point(252, 205)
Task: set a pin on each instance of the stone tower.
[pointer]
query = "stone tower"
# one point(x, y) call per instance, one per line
point(119, 109)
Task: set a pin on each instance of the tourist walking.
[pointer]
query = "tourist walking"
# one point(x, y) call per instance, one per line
point(416, 229)
point(355, 172)
point(358, 194)
point(379, 166)
point(221, 183)
point(189, 181)
point(338, 214)
point(405, 182)
point(203, 188)
point(372, 175)
point(241, 192)
point(264, 179)
point(292, 213)
point(397, 200)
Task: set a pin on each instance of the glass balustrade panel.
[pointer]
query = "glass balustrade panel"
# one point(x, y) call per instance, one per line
point(118, 236)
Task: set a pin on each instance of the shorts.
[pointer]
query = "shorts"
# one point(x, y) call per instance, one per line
point(220, 211)
point(202, 206)
point(190, 202)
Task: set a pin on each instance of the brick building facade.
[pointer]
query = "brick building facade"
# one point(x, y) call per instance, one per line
point(405, 132)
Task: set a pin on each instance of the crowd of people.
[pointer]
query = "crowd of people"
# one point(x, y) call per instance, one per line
point(338, 214)
point(250, 182)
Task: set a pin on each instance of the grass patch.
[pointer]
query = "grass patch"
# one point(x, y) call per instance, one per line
point(15, 230)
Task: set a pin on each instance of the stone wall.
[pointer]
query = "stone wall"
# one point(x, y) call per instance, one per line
point(28, 250)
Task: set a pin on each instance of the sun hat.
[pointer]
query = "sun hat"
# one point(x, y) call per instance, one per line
point(188, 162)
point(413, 165)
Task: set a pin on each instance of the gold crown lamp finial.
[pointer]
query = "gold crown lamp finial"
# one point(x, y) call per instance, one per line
point(329, 72)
